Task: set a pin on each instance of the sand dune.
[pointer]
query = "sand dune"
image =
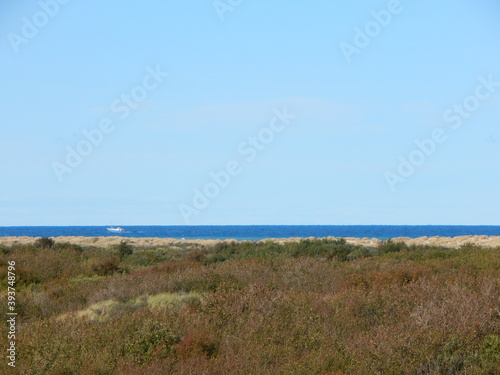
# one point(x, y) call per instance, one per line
point(490, 241)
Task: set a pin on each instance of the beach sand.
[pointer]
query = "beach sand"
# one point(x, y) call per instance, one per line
point(489, 241)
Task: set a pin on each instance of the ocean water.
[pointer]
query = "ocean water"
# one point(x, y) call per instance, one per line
point(257, 232)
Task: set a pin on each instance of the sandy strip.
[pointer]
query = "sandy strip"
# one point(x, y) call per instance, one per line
point(489, 241)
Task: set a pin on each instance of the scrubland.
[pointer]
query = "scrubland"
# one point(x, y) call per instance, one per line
point(310, 307)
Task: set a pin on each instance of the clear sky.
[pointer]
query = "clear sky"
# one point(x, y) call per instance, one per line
point(249, 112)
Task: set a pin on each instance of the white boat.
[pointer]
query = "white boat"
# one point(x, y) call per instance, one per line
point(115, 229)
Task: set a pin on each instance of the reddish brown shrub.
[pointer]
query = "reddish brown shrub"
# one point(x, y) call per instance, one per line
point(107, 266)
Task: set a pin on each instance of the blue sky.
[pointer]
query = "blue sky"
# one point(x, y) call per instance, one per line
point(181, 88)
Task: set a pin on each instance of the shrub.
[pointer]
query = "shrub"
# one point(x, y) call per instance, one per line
point(337, 249)
point(390, 246)
point(151, 338)
point(490, 352)
point(467, 246)
point(68, 246)
point(196, 344)
point(267, 308)
point(358, 253)
point(107, 266)
point(146, 258)
point(208, 283)
point(124, 249)
point(44, 242)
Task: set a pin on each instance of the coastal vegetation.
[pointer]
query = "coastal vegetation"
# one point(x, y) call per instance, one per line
point(311, 307)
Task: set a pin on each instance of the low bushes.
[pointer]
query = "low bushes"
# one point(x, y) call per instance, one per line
point(311, 307)
point(390, 246)
point(107, 266)
point(44, 242)
point(337, 249)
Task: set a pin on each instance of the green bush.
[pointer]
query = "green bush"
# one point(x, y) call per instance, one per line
point(468, 246)
point(124, 249)
point(68, 246)
point(151, 338)
point(390, 246)
point(490, 353)
point(44, 242)
point(337, 249)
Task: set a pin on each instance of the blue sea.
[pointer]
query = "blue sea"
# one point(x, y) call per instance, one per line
point(257, 232)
